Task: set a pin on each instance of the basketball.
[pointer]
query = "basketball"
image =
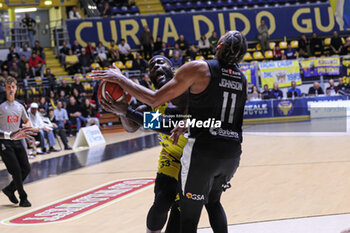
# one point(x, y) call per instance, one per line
point(114, 90)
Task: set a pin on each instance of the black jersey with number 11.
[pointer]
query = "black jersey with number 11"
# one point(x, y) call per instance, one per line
point(223, 100)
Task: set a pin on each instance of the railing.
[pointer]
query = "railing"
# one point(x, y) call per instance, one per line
point(22, 2)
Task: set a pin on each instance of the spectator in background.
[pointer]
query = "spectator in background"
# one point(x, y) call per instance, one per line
point(276, 92)
point(78, 97)
point(30, 25)
point(277, 53)
point(78, 85)
point(176, 60)
point(178, 50)
point(254, 94)
point(51, 79)
point(101, 52)
point(52, 100)
point(304, 46)
point(89, 111)
point(263, 36)
point(72, 63)
point(107, 11)
point(213, 41)
point(341, 85)
point(332, 89)
point(346, 47)
point(204, 46)
point(65, 87)
point(125, 51)
point(164, 49)
point(146, 41)
point(90, 50)
point(139, 63)
point(22, 62)
point(146, 82)
point(26, 51)
point(37, 122)
point(290, 52)
point(38, 50)
point(182, 43)
point(336, 43)
point(316, 46)
point(76, 48)
point(59, 130)
point(62, 98)
point(74, 113)
point(266, 94)
point(316, 89)
point(15, 71)
point(85, 62)
point(158, 44)
point(37, 65)
point(61, 117)
point(294, 91)
point(43, 103)
point(27, 72)
point(113, 50)
point(74, 14)
point(12, 54)
point(64, 51)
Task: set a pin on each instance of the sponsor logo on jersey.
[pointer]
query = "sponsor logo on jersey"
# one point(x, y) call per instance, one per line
point(83, 203)
point(224, 133)
point(195, 197)
point(230, 73)
point(12, 119)
point(231, 84)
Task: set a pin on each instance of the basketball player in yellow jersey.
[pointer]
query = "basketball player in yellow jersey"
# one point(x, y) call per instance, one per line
point(169, 163)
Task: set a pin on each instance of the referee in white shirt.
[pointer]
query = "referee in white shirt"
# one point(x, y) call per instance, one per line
point(12, 150)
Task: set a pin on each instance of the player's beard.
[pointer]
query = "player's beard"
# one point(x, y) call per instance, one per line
point(168, 75)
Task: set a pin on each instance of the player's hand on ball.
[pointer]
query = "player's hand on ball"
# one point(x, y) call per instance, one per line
point(26, 132)
point(113, 75)
point(116, 107)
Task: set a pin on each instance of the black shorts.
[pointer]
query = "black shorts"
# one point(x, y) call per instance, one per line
point(206, 167)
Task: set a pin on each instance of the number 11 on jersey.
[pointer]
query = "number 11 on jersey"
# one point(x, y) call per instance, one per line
point(224, 107)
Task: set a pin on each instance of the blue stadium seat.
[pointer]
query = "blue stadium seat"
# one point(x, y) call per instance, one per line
point(179, 6)
point(199, 5)
point(115, 10)
point(188, 5)
point(240, 3)
point(229, 3)
point(169, 7)
point(219, 3)
point(134, 9)
point(208, 4)
point(124, 10)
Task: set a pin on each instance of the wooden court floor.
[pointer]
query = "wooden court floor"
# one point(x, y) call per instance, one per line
point(280, 177)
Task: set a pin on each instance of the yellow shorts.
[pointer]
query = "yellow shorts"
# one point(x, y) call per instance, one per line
point(168, 165)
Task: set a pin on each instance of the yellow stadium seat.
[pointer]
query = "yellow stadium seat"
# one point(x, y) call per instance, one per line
point(95, 66)
point(283, 45)
point(119, 64)
point(38, 80)
point(211, 57)
point(134, 54)
point(128, 64)
point(294, 44)
point(251, 49)
point(247, 57)
point(272, 45)
point(258, 55)
point(268, 54)
point(171, 52)
point(327, 41)
point(258, 47)
point(343, 40)
point(200, 58)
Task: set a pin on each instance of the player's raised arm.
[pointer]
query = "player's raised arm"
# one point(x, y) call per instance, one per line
point(185, 77)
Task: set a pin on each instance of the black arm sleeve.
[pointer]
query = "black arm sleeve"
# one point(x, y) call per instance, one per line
point(138, 118)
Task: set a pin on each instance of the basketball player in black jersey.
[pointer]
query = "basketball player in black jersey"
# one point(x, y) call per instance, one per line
point(218, 92)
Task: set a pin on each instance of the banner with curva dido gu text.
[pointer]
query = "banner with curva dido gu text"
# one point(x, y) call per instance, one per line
point(289, 21)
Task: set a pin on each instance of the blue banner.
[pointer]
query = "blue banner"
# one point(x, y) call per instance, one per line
point(289, 21)
point(258, 109)
point(2, 37)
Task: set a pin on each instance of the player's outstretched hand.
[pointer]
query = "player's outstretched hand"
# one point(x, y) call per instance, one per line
point(176, 133)
point(113, 75)
point(26, 132)
point(116, 107)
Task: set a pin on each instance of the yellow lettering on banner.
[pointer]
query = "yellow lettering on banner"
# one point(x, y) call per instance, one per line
point(318, 20)
point(307, 23)
point(101, 36)
point(169, 33)
point(221, 24)
point(155, 26)
point(197, 32)
point(132, 33)
point(271, 18)
point(78, 30)
point(234, 16)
